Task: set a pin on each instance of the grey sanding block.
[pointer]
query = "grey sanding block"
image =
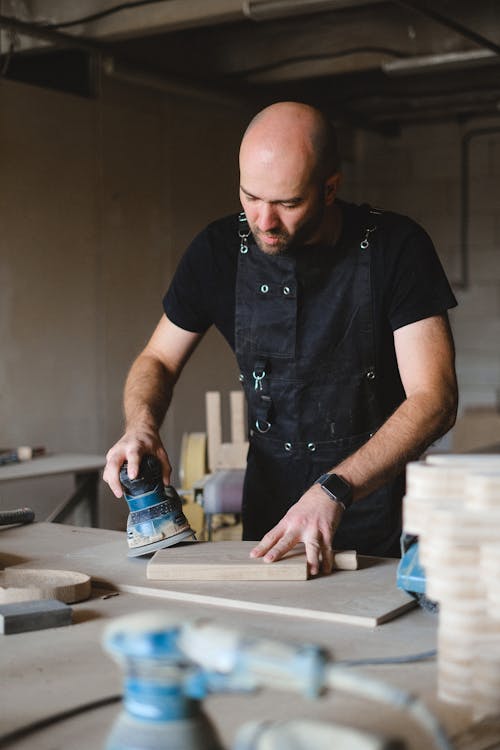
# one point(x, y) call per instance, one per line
point(35, 615)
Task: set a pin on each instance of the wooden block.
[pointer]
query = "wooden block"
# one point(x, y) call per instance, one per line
point(25, 616)
point(230, 561)
point(232, 456)
point(223, 561)
point(345, 559)
point(237, 405)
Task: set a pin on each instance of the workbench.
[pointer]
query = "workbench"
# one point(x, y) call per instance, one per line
point(48, 671)
point(85, 469)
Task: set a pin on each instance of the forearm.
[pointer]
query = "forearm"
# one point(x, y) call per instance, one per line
point(417, 422)
point(148, 392)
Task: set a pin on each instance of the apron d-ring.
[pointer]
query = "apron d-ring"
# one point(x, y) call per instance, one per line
point(262, 426)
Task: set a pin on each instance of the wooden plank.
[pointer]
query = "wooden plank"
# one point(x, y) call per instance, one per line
point(230, 561)
point(232, 456)
point(214, 427)
point(320, 599)
point(237, 406)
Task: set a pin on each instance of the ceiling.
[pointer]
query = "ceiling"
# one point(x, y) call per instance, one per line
point(374, 64)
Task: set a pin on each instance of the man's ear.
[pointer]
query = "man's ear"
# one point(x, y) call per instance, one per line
point(332, 185)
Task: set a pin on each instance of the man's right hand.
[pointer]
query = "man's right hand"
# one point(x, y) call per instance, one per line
point(134, 444)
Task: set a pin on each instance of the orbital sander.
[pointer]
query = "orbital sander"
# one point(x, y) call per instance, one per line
point(156, 519)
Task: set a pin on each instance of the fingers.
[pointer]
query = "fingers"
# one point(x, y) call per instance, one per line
point(275, 544)
point(131, 448)
point(266, 543)
point(111, 473)
point(165, 465)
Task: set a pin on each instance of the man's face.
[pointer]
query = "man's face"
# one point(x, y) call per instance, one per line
point(284, 206)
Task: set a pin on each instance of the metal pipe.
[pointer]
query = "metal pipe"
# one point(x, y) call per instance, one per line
point(421, 7)
point(37, 31)
point(263, 10)
point(444, 61)
point(464, 203)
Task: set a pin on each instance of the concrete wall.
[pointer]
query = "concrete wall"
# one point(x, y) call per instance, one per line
point(97, 201)
point(418, 174)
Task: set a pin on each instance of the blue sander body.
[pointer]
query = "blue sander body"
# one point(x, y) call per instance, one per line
point(156, 519)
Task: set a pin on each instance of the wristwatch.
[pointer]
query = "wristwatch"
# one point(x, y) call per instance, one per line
point(337, 489)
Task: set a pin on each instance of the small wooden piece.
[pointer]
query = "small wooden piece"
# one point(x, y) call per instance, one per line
point(19, 584)
point(25, 616)
point(221, 455)
point(214, 427)
point(230, 561)
point(237, 403)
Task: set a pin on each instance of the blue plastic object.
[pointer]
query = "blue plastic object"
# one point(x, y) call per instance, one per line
point(410, 575)
point(159, 709)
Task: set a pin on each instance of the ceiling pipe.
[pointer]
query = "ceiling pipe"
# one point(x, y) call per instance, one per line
point(445, 61)
point(420, 6)
point(266, 10)
point(37, 31)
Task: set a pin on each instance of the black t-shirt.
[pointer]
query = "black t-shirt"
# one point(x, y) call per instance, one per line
point(408, 283)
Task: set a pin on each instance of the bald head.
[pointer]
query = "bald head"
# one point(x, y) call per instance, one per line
point(291, 129)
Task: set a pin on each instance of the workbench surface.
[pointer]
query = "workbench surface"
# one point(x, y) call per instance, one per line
point(47, 671)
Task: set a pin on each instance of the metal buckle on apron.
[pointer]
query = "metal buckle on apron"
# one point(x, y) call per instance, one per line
point(243, 233)
point(262, 426)
point(365, 243)
point(263, 402)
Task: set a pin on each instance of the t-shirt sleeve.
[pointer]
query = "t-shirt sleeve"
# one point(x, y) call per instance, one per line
point(416, 284)
point(185, 302)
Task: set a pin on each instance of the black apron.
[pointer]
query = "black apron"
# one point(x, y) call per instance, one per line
point(304, 340)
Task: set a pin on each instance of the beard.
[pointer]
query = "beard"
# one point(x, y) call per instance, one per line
point(281, 242)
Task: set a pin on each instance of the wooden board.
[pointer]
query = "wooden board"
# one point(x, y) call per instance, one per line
point(231, 561)
point(367, 597)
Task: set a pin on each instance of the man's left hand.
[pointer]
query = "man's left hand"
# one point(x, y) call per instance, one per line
point(312, 520)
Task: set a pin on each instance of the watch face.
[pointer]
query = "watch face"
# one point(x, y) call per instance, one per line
point(339, 488)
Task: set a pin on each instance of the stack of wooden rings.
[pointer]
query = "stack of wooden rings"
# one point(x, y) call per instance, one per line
point(453, 504)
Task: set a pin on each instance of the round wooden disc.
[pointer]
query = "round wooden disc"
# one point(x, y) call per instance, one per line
point(26, 584)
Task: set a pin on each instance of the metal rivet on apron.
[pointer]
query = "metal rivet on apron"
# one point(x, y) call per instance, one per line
point(264, 289)
point(288, 446)
point(286, 290)
point(241, 377)
point(370, 374)
point(311, 447)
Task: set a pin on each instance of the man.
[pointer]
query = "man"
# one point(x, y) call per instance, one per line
point(337, 315)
